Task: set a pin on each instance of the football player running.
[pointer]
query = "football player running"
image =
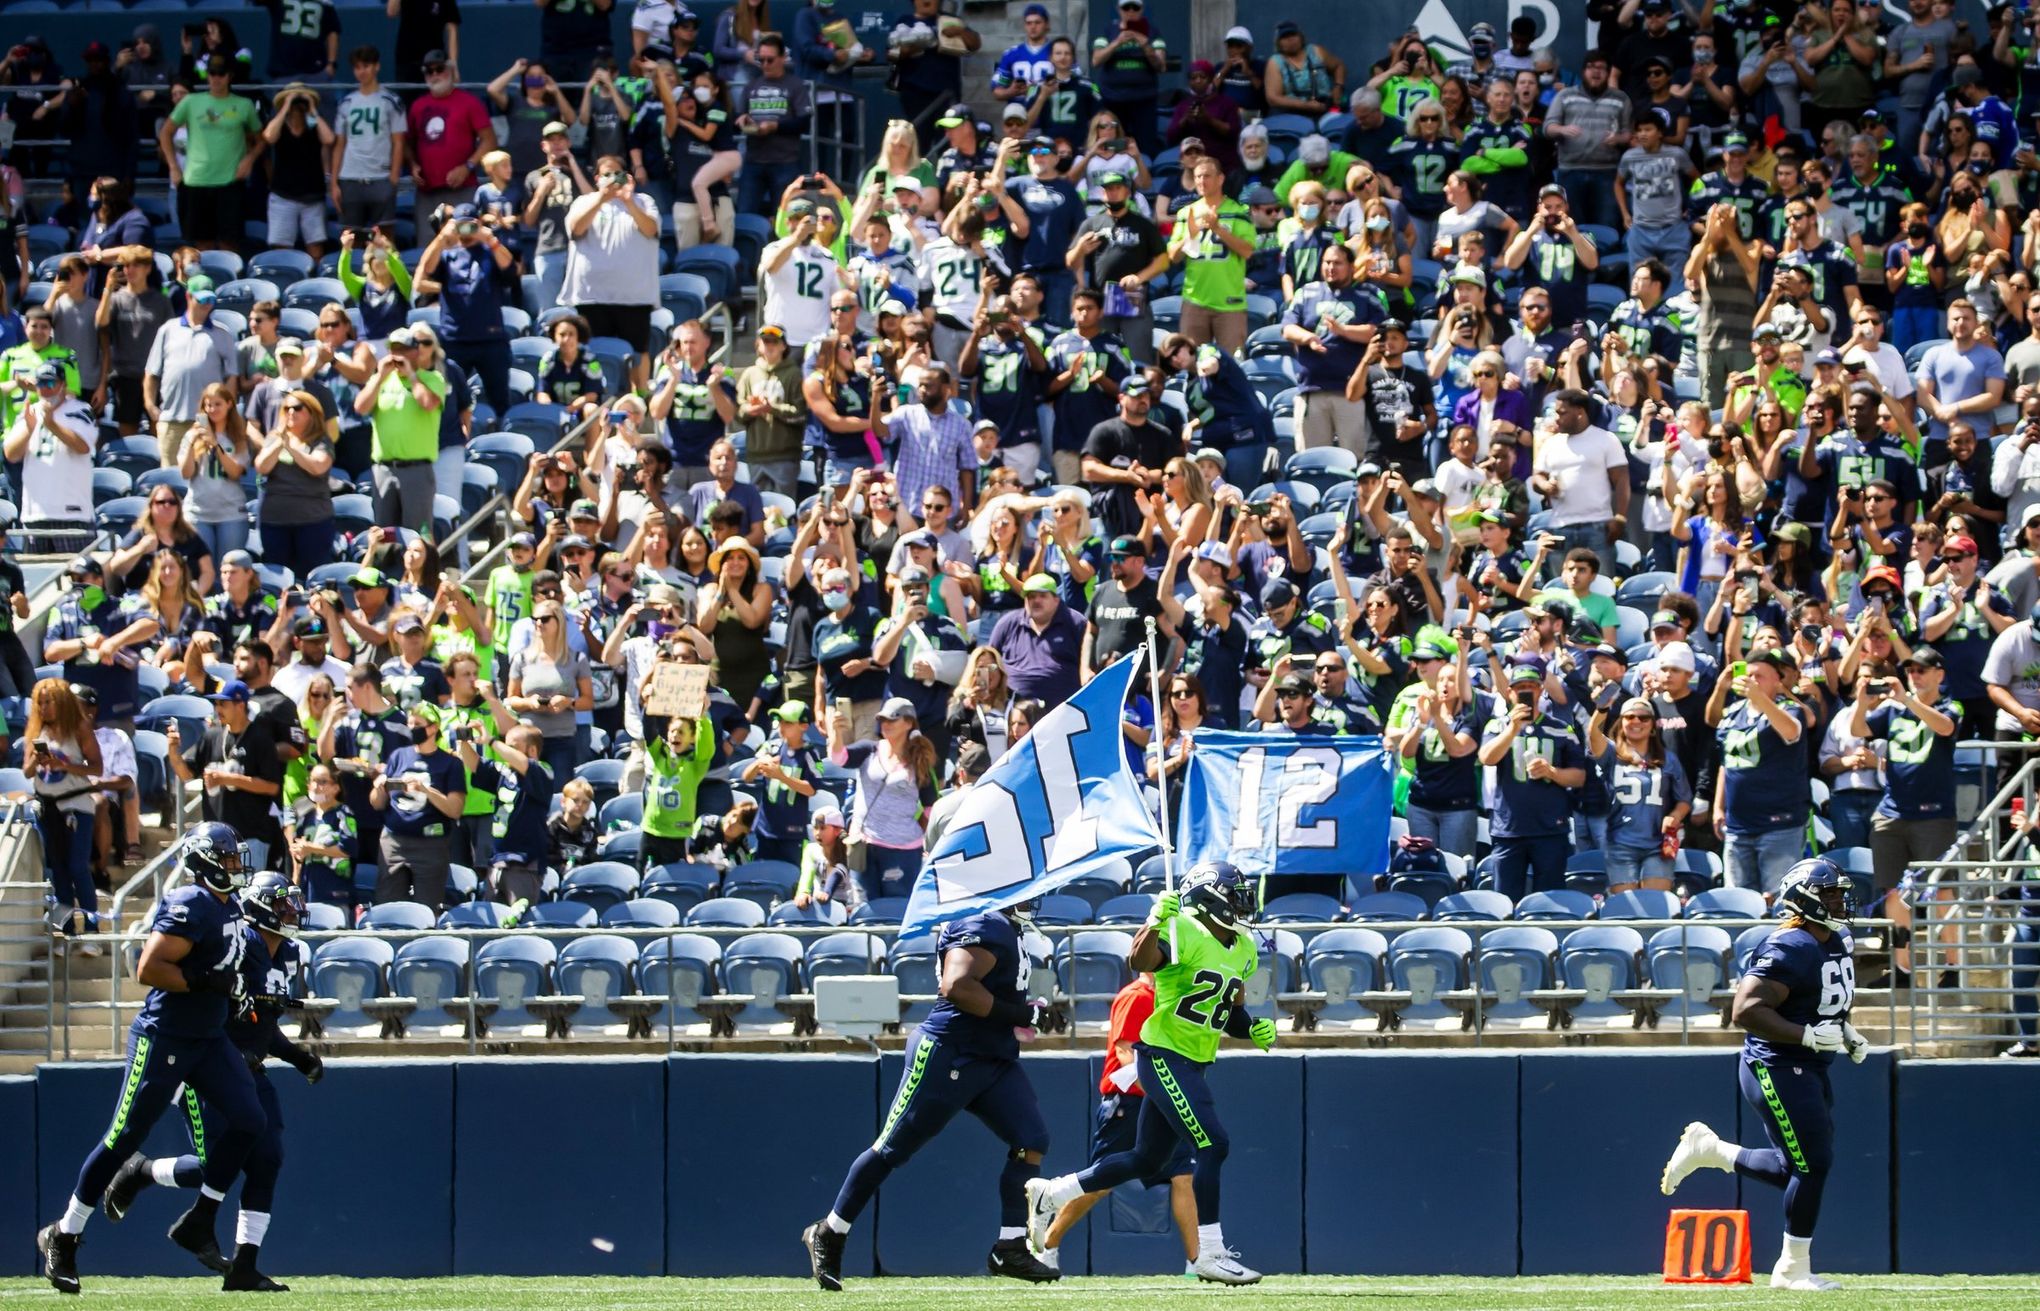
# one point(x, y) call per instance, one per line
point(1793, 1002)
point(1200, 982)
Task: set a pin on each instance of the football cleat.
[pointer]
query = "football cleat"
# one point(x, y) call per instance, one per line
point(825, 1255)
point(1042, 1209)
point(1699, 1146)
point(243, 1277)
point(1222, 1267)
point(194, 1233)
point(132, 1178)
point(1010, 1257)
point(60, 1258)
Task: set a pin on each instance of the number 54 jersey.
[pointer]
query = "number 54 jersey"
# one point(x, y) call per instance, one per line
point(1195, 992)
point(1820, 983)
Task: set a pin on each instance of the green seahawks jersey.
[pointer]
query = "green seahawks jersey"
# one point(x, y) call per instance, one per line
point(1195, 992)
point(479, 718)
point(672, 782)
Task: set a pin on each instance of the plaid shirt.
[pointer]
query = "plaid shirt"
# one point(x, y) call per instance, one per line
point(933, 449)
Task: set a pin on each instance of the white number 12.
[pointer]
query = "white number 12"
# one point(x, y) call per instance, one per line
point(1309, 777)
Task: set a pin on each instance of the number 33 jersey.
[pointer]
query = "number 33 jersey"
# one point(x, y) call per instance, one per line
point(1195, 992)
point(1820, 984)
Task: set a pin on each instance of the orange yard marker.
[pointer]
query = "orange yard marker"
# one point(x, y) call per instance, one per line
point(1707, 1247)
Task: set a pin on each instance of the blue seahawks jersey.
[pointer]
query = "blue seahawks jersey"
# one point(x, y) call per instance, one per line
point(1765, 786)
point(1820, 983)
point(254, 1030)
point(1526, 807)
point(1007, 981)
point(213, 927)
point(1919, 764)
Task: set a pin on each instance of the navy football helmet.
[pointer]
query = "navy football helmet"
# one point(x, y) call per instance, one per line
point(1220, 892)
point(1817, 891)
point(212, 856)
point(274, 904)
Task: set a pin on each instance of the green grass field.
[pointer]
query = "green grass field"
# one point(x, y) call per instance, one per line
point(1955, 1293)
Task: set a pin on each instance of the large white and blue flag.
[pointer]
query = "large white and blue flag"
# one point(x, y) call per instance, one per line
point(1279, 803)
point(1062, 803)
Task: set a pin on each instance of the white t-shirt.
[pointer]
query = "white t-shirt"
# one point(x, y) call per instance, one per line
point(1890, 366)
point(294, 678)
point(797, 294)
point(654, 17)
point(613, 263)
point(2014, 664)
point(1579, 465)
point(56, 480)
point(1457, 483)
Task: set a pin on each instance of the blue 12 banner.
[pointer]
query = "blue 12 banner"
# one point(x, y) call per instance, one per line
point(1277, 803)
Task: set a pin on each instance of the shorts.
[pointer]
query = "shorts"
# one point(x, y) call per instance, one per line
point(212, 214)
point(296, 222)
point(631, 323)
point(1112, 1132)
point(126, 395)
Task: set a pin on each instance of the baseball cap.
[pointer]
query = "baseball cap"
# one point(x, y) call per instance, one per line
point(307, 626)
point(1640, 705)
point(1766, 330)
point(1610, 650)
point(827, 817)
point(199, 287)
point(773, 332)
point(1777, 657)
point(1277, 592)
point(85, 567)
point(1665, 619)
point(1015, 112)
point(1125, 546)
point(913, 576)
point(1035, 11)
point(898, 707)
point(1469, 274)
point(1038, 583)
point(289, 346)
point(433, 57)
point(800, 208)
point(793, 712)
point(664, 594)
point(1965, 75)
point(1676, 655)
point(233, 690)
point(1191, 146)
point(1299, 684)
point(904, 182)
point(1551, 189)
point(893, 307)
point(554, 129)
point(919, 537)
point(1926, 657)
point(985, 425)
point(1204, 66)
point(1204, 453)
point(366, 577)
point(86, 694)
point(1427, 649)
point(401, 339)
point(1137, 385)
point(237, 560)
point(1882, 573)
point(1526, 671)
point(1829, 355)
point(463, 212)
point(1287, 27)
point(1115, 178)
point(576, 542)
point(973, 759)
point(1216, 552)
point(1239, 35)
point(49, 374)
point(955, 116)
point(1734, 141)
point(409, 623)
point(1258, 195)
point(583, 509)
point(1960, 542)
point(525, 540)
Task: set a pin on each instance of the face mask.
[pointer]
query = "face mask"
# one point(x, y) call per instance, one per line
point(1116, 206)
point(703, 96)
point(1962, 199)
point(1309, 213)
point(419, 734)
point(92, 597)
point(1481, 47)
point(1978, 167)
point(1815, 190)
point(836, 600)
point(533, 82)
point(1377, 224)
point(1918, 231)
point(1547, 79)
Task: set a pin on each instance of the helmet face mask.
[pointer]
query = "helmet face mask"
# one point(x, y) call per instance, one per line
point(213, 856)
point(1817, 891)
point(274, 904)
point(1218, 890)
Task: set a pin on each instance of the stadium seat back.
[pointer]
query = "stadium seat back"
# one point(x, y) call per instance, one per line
point(474, 915)
point(432, 971)
point(510, 972)
point(1559, 905)
point(350, 970)
point(1387, 907)
point(915, 964)
point(1515, 960)
point(1600, 958)
point(320, 916)
point(880, 910)
point(1127, 908)
point(641, 913)
point(767, 882)
point(1427, 886)
point(1093, 968)
point(817, 914)
point(1426, 962)
point(561, 915)
point(1747, 943)
point(398, 917)
point(683, 967)
point(1058, 910)
point(1692, 958)
point(600, 884)
point(1342, 963)
point(727, 913)
point(767, 966)
point(597, 968)
point(1726, 904)
point(1477, 904)
point(840, 954)
point(1641, 904)
point(1094, 890)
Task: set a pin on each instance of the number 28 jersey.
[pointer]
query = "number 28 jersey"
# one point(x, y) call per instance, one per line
point(1820, 982)
point(1195, 992)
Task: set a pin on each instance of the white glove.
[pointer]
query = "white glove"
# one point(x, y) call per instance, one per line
point(1825, 1036)
point(1858, 1045)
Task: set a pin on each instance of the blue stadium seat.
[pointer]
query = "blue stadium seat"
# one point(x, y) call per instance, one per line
point(1691, 959)
point(915, 964)
point(1302, 908)
point(821, 914)
point(767, 882)
point(1387, 907)
point(1727, 904)
point(510, 973)
point(1600, 959)
point(285, 268)
point(1093, 968)
point(767, 966)
point(109, 485)
point(684, 968)
point(1515, 960)
point(600, 969)
point(152, 763)
point(353, 514)
point(1059, 911)
point(1426, 963)
point(717, 266)
point(1093, 890)
point(1427, 886)
point(641, 913)
point(1150, 875)
point(1479, 904)
point(880, 910)
point(221, 265)
point(506, 453)
point(625, 846)
point(1641, 904)
point(536, 420)
point(560, 915)
point(683, 884)
point(432, 972)
point(477, 487)
point(134, 455)
point(726, 913)
point(602, 884)
point(1280, 968)
point(1128, 908)
point(1643, 590)
point(314, 294)
point(474, 915)
point(1748, 941)
point(1342, 963)
point(839, 954)
point(1560, 905)
point(605, 776)
point(350, 971)
point(398, 917)
point(320, 916)
point(241, 294)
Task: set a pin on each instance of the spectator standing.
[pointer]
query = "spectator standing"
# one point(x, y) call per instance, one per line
point(469, 268)
point(1051, 213)
point(571, 33)
point(53, 439)
point(1215, 238)
point(1722, 274)
point(1026, 63)
point(449, 133)
point(1590, 123)
point(1118, 252)
point(613, 275)
point(1583, 474)
point(215, 456)
point(1914, 52)
point(97, 115)
point(424, 28)
point(1761, 799)
point(189, 354)
point(403, 401)
point(931, 74)
point(1129, 60)
point(304, 39)
point(774, 117)
point(788, 764)
point(1301, 77)
point(896, 784)
point(1330, 322)
point(237, 765)
point(1538, 761)
point(1963, 376)
point(535, 102)
point(368, 149)
point(1041, 644)
point(773, 413)
point(702, 143)
point(299, 142)
point(1241, 75)
point(1208, 114)
point(933, 441)
point(1915, 822)
point(721, 486)
point(419, 795)
point(799, 275)
point(1650, 189)
point(551, 189)
point(142, 67)
point(221, 143)
point(696, 401)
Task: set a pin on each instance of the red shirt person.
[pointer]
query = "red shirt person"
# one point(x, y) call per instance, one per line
point(450, 133)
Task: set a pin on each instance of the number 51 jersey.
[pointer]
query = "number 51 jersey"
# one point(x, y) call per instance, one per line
point(1820, 983)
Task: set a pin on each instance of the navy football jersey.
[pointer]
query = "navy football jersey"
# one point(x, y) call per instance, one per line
point(1820, 982)
point(254, 1030)
point(1765, 787)
point(1007, 981)
point(214, 930)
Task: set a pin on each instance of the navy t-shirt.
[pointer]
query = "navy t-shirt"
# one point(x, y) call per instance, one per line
point(1526, 807)
point(471, 299)
point(1919, 764)
point(409, 814)
point(1441, 780)
point(1820, 978)
point(1054, 213)
point(1640, 798)
point(372, 738)
point(213, 927)
point(522, 801)
point(1328, 369)
point(1007, 981)
point(783, 812)
point(1764, 786)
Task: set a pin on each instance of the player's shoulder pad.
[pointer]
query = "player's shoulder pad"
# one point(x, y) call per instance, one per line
point(981, 930)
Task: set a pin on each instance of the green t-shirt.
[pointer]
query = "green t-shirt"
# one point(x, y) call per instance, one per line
point(297, 775)
point(404, 429)
point(1597, 608)
point(1195, 992)
point(509, 597)
point(480, 801)
point(1213, 277)
point(218, 130)
point(671, 782)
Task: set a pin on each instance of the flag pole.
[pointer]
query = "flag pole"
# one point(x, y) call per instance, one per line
point(1154, 658)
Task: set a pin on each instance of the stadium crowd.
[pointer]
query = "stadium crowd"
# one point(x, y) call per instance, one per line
point(1645, 449)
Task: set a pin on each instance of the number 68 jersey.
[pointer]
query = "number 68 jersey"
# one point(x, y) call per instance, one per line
point(1820, 982)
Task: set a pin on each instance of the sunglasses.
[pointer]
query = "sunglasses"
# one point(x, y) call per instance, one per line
point(287, 409)
point(1292, 696)
point(1639, 716)
point(1180, 693)
point(1959, 555)
point(548, 619)
point(172, 503)
point(1483, 373)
